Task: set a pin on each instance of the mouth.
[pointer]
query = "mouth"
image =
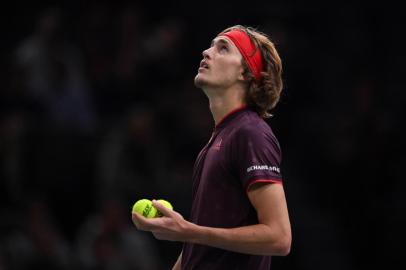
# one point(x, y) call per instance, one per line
point(203, 65)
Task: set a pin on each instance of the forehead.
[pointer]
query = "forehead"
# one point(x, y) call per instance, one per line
point(223, 40)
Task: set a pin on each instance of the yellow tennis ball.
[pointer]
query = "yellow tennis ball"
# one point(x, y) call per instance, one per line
point(166, 204)
point(144, 207)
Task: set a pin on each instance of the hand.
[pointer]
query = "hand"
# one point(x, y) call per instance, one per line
point(172, 226)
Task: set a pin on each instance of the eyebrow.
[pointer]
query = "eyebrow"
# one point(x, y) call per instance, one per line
point(219, 40)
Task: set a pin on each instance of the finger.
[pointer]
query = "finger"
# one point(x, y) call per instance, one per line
point(147, 224)
point(165, 211)
point(165, 236)
point(136, 219)
point(141, 222)
point(158, 235)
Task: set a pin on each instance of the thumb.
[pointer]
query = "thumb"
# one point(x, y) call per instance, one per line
point(165, 211)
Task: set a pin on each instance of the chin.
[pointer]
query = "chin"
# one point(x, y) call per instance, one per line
point(199, 82)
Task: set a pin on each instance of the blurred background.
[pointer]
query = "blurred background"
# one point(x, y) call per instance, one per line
point(98, 109)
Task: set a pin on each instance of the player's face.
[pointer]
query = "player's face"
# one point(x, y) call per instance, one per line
point(221, 66)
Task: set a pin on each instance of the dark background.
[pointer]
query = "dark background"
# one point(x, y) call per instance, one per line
point(98, 109)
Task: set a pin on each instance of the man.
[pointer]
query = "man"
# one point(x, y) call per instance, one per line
point(239, 215)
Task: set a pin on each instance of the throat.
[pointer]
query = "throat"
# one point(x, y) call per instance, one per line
point(223, 101)
point(221, 108)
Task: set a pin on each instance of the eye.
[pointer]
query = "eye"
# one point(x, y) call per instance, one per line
point(223, 49)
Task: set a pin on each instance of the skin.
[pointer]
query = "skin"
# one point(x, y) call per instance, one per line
point(223, 83)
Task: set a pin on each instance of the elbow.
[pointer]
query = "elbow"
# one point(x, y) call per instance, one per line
point(281, 247)
point(284, 242)
point(284, 246)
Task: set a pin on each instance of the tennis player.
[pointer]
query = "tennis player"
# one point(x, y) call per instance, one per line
point(239, 216)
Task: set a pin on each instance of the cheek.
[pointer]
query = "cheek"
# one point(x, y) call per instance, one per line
point(230, 70)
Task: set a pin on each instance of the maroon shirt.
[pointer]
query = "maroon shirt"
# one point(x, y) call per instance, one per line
point(242, 151)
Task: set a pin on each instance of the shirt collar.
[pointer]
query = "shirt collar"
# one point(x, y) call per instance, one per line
point(230, 116)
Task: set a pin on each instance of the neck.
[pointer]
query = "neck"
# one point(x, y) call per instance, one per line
point(222, 102)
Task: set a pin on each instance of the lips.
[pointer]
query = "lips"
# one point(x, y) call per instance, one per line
point(203, 64)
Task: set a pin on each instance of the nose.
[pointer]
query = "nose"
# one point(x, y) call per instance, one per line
point(206, 54)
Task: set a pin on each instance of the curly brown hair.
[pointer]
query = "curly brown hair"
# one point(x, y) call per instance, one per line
point(263, 94)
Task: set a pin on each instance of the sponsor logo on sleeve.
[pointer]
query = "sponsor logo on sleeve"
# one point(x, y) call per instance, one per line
point(263, 168)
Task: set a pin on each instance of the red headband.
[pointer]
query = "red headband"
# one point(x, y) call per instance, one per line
point(251, 54)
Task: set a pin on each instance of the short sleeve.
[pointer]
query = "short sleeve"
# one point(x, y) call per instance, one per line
point(256, 156)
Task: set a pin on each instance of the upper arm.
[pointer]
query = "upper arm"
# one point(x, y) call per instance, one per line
point(270, 204)
point(256, 156)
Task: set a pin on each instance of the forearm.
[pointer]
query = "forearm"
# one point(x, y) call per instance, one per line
point(259, 239)
point(271, 236)
point(177, 265)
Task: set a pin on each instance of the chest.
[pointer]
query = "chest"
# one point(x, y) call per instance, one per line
point(219, 199)
point(215, 173)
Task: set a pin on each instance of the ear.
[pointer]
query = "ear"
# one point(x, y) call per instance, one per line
point(241, 76)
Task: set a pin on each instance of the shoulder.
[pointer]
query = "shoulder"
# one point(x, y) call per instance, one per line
point(252, 125)
point(252, 130)
point(254, 140)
